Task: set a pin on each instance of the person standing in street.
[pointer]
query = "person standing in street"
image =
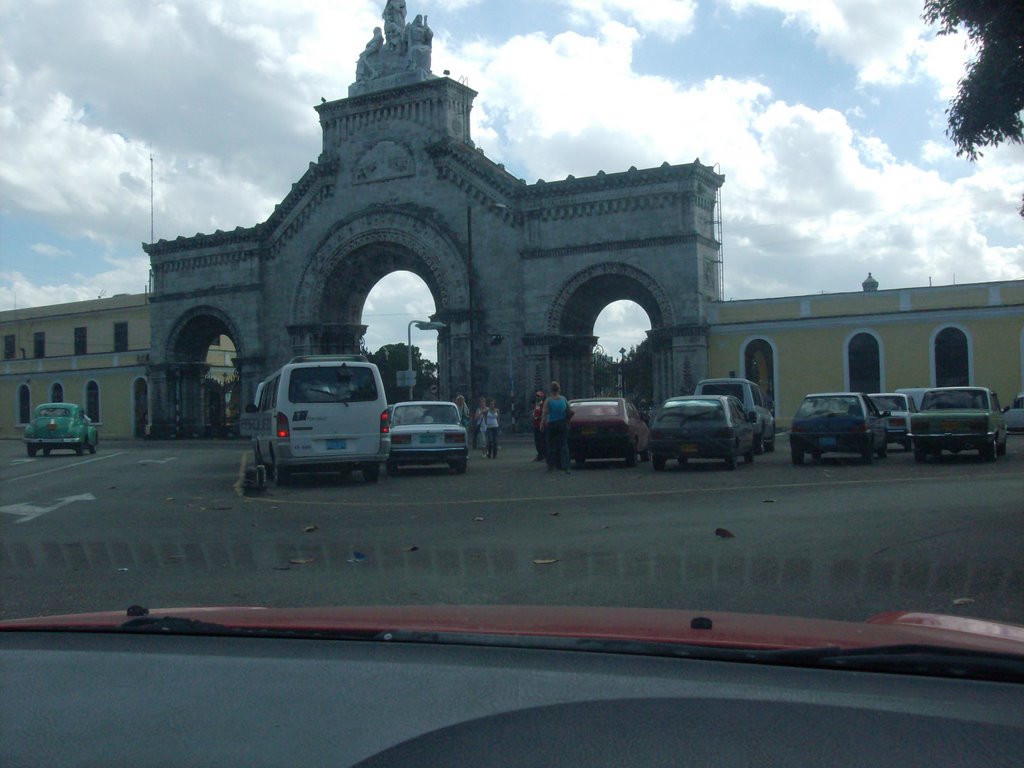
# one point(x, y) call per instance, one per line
point(478, 422)
point(539, 441)
point(491, 423)
point(460, 403)
point(555, 422)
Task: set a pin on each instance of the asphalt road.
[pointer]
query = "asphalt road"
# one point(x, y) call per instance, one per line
point(170, 524)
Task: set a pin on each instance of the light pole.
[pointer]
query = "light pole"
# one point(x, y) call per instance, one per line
point(622, 363)
point(423, 325)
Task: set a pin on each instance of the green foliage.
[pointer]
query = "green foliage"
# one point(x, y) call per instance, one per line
point(986, 110)
point(392, 358)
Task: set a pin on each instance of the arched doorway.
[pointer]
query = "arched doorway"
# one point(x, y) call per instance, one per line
point(622, 360)
point(140, 407)
point(759, 367)
point(57, 392)
point(951, 358)
point(570, 343)
point(864, 363)
point(201, 380)
point(390, 314)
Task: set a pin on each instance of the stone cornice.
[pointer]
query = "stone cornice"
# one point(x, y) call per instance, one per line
point(617, 245)
point(486, 182)
point(218, 239)
point(207, 260)
point(434, 88)
point(694, 175)
point(223, 290)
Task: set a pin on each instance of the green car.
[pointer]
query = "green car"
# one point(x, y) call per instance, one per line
point(60, 425)
point(958, 419)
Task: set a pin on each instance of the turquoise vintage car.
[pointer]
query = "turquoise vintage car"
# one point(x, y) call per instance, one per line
point(60, 425)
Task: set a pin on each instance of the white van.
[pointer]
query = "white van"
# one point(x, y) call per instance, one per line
point(322, 412)
point(752, 401)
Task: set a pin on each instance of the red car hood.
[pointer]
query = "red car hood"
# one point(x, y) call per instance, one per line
point(728, 630)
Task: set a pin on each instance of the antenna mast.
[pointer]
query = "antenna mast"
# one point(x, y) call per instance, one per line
point(151, 182)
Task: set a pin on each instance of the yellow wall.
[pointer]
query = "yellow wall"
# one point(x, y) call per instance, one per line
point(810, 350)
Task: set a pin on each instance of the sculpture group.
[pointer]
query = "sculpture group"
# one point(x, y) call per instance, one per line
point(399, 48)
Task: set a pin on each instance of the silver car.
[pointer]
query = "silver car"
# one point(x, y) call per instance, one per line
point(900, 406)
point(427, 432)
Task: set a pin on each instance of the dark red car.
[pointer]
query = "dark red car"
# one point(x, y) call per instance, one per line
point(607, 428)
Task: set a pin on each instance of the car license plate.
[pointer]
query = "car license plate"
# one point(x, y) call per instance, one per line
point(827, 441)
point(336, 445)
point(428, 439)
point(589, 430)
point(52, 427)
point(949, 426)
point(689, 448)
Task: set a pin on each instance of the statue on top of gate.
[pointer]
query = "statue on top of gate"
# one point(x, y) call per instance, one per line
point(398, 54)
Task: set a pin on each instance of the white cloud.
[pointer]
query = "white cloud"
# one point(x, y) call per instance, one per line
point(50, 251)
point(668, 19)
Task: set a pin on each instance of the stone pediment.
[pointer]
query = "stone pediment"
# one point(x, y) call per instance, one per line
point(383, 161)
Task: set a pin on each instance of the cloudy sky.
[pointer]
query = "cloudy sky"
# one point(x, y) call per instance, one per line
point(826, 117)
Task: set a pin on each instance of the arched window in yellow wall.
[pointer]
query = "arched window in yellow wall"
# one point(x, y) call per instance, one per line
point(92, 401)
point(57, 392)
point(864, 363)
point(952, 360)
point(24, 404)
point(759, 366)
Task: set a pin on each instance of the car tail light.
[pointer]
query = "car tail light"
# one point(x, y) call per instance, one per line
point(454, 437)
point(401, 439)
point(385, 422)
point(282, 425)
point(860, 426)
point(897, 421)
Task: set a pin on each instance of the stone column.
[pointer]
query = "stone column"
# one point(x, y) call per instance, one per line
point(453, 364)
point(681, 359)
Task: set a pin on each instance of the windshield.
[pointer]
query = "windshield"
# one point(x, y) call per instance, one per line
point(955, 399)
point(582, 312)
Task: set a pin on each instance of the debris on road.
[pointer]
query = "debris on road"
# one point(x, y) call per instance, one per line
point(963, 601)
point(724, 533)
point(301, 560)
point(311, 528)
point(544, 562)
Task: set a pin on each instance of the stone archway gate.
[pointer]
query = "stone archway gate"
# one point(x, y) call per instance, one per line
point(399, 184)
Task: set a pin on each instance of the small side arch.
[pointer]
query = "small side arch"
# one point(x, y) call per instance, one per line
point(951, 356)
point(864, 361)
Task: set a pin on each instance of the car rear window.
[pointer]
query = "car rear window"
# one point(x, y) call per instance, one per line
point(675, 413)
point(723, 388)
point(405, 415)
point(609, 408)
point(839, 405)
point(889, 402)
point(53, 413)
point(332, 384)
point(952, 400)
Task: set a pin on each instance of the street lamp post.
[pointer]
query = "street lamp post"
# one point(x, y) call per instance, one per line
point(496, 339)
point(423, 325)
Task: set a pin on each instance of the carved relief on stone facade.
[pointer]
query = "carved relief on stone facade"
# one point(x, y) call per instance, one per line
point(385, 160)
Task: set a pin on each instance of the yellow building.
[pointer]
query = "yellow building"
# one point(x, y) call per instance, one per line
point(95, 353)
point(873, 341)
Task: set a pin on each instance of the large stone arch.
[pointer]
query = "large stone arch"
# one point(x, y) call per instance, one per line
point(574, 310)
point(177, 391)
point(583, 295)
point(354, 255)
point(397, 239)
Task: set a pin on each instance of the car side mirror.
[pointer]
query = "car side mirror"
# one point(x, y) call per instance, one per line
point(752, 417)
point(251, 408)
point(1006, 408)
point(885, 414)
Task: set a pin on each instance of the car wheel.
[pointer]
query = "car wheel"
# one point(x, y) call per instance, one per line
point(92, 447)
point(797, 455)
point(769, 446)
point(658, 462)
point(282, 476)
point(371, 472)
point(908, 445)
point(748, 457)
point(631, 456)
point(46, 451)
point(730, 463)
point(920, 455)
point(31, 450)
point(459, 467)
point(758, 444)
point(79, 449)
point(1001, 448)
point(578, 463)
point(867, 456)
point(645, 456)
point(883, 451)
point(392, 468)
point(988, 452)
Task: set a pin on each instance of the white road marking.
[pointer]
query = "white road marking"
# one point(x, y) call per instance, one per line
point(16, 462)
point(31, 511)
point(72, 465)
point(157, 461)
